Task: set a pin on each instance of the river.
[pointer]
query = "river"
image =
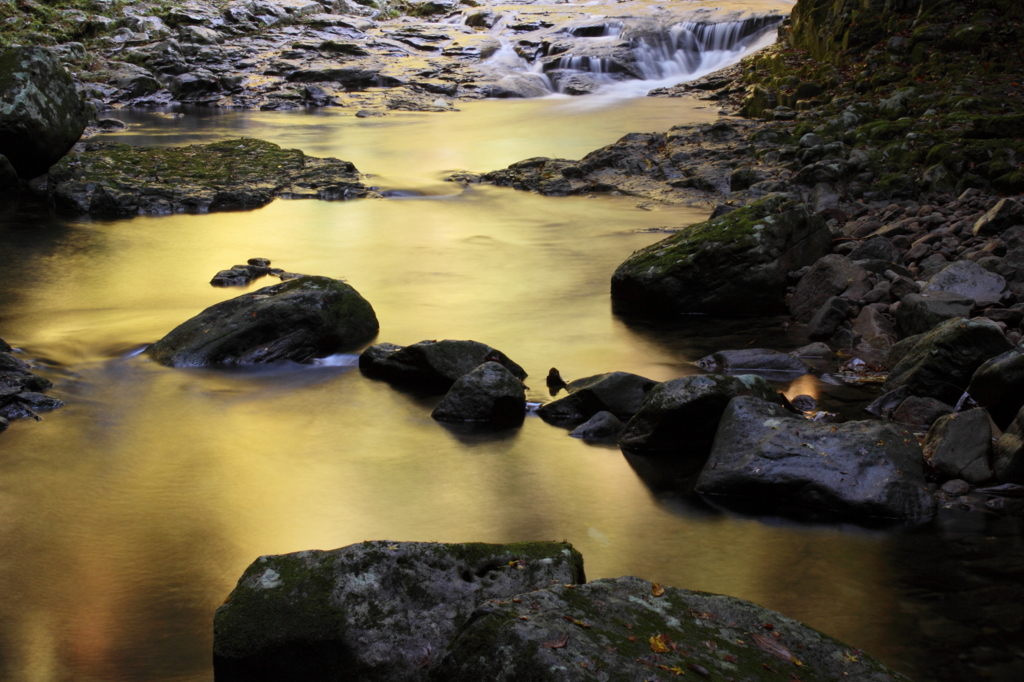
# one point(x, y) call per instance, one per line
point(127, 516)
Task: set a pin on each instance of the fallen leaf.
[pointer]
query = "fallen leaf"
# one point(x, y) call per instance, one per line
point(775, 649)
point(850, 657)
point(524, 618)
point(768, 667)
point(558, 642)
point(632, 638)
point(660, 643)
point(657, 590)
point(392, 547)
point(699, 669)
point(730, 658)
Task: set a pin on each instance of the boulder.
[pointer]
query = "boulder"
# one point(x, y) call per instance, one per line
point(832, 275)
point(857, 470)
point(829, 317)
point(41, 114)
point(958, 446)
point(917, 413)
point(489, 393)
point(680, 417)
point(620, 393)
point(940, 364)
point(632, 630)
point(998, 384)
point(518, 85)
point(920, 313)
point(1004, 214)
point(876, 248)
point(376, 611)
point(874, 328)
point(1008, 452)
point(432, 366)
point(760, 361)
point(970, 280)
point(296, 320)
point(736, 264)
point(603, 426)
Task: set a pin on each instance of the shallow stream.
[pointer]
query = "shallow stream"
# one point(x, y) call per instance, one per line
point(127, 516)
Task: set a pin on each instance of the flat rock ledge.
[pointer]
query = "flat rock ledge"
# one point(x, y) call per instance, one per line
point(107, 178)
point(453, 612)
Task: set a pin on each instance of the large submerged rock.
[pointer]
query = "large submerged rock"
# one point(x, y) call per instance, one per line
point(732, 265)
point(632, 630)
point(41, 113)
point(296, 320)
point(490, 393)
point(431, 366)
point(108, 178)
point(376, 611)
point(620, 393)
point(857, 469)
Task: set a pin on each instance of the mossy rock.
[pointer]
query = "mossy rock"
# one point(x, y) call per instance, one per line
point(630, 630)
point(297, 320)
point(109, 178)
point(733, 265)
point(375, 611)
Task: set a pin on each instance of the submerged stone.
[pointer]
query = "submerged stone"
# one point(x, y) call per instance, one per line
point(431, 366)
point(490, 393)
point(620, 393)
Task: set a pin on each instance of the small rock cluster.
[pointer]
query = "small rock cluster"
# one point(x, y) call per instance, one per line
point(20, 390)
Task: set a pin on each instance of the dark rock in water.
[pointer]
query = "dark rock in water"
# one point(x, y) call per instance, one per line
point(956, 487)
point(958, 446)
point(489, 393)
point(555, 381)
point(431, 366)
point(942, 362)
point(753, 361)
point(620, 393)
point(920, 413)
point(732, 265)
point(603, 426)
point(856, 469)
point(680, 417)
point(1008, 453)
point(804, 403)
point(376, 611)
point(829, 317)
point(969, 280)
point(41, 113)
point(4, 424)
point(8, 176)
point(815, 350)
point(629, 629)
point(296, 320)
point(919, 313)
point(999, 385)
point(832, 275)
point(117, 179)
point(1004, 214)
point(4, 347)
point(240, 275)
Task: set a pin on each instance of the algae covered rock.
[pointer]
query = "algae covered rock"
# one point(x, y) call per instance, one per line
point(296, 320)
point(109, 178)
point(41, 113)
point(372, 611)
point(861, 469)
point(489, 393)
point(680, 417)
point(431, 366)
point(629, 630)
point(732, 265)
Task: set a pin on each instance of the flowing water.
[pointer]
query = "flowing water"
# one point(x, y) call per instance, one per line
point(127, 516)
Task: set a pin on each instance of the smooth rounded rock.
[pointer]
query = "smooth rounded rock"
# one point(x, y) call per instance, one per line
point(489, 393)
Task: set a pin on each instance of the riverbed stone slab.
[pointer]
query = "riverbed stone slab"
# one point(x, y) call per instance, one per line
point(998, 384)
point(970, 280)
point(733, 265)
point(374, 611)
point(859, 470)
point(41, 113)
point(919, 313)
point(490, 393)
point(620, 393)
point(432, 366)
point(631, 630)
point(958, 446)
point(297, 320)
point(940, 364)
point(760, 361)
point(832, 275)
point(680, 417)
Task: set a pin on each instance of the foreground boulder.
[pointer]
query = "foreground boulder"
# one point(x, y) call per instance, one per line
point(940, 364)
point(832, 275)
point(765, 455)
point(970, 280)
point(958, 446)
point(41, 113)
point(373, 611)
point(620, 393)
point(733, 265)
point(1009, 452)
point(431, 366)
point(680, 417)
point(490, 393)
point(999, 385)
point(296, 320)
point(920, 313)
point(108, 178)
point(631, 630)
